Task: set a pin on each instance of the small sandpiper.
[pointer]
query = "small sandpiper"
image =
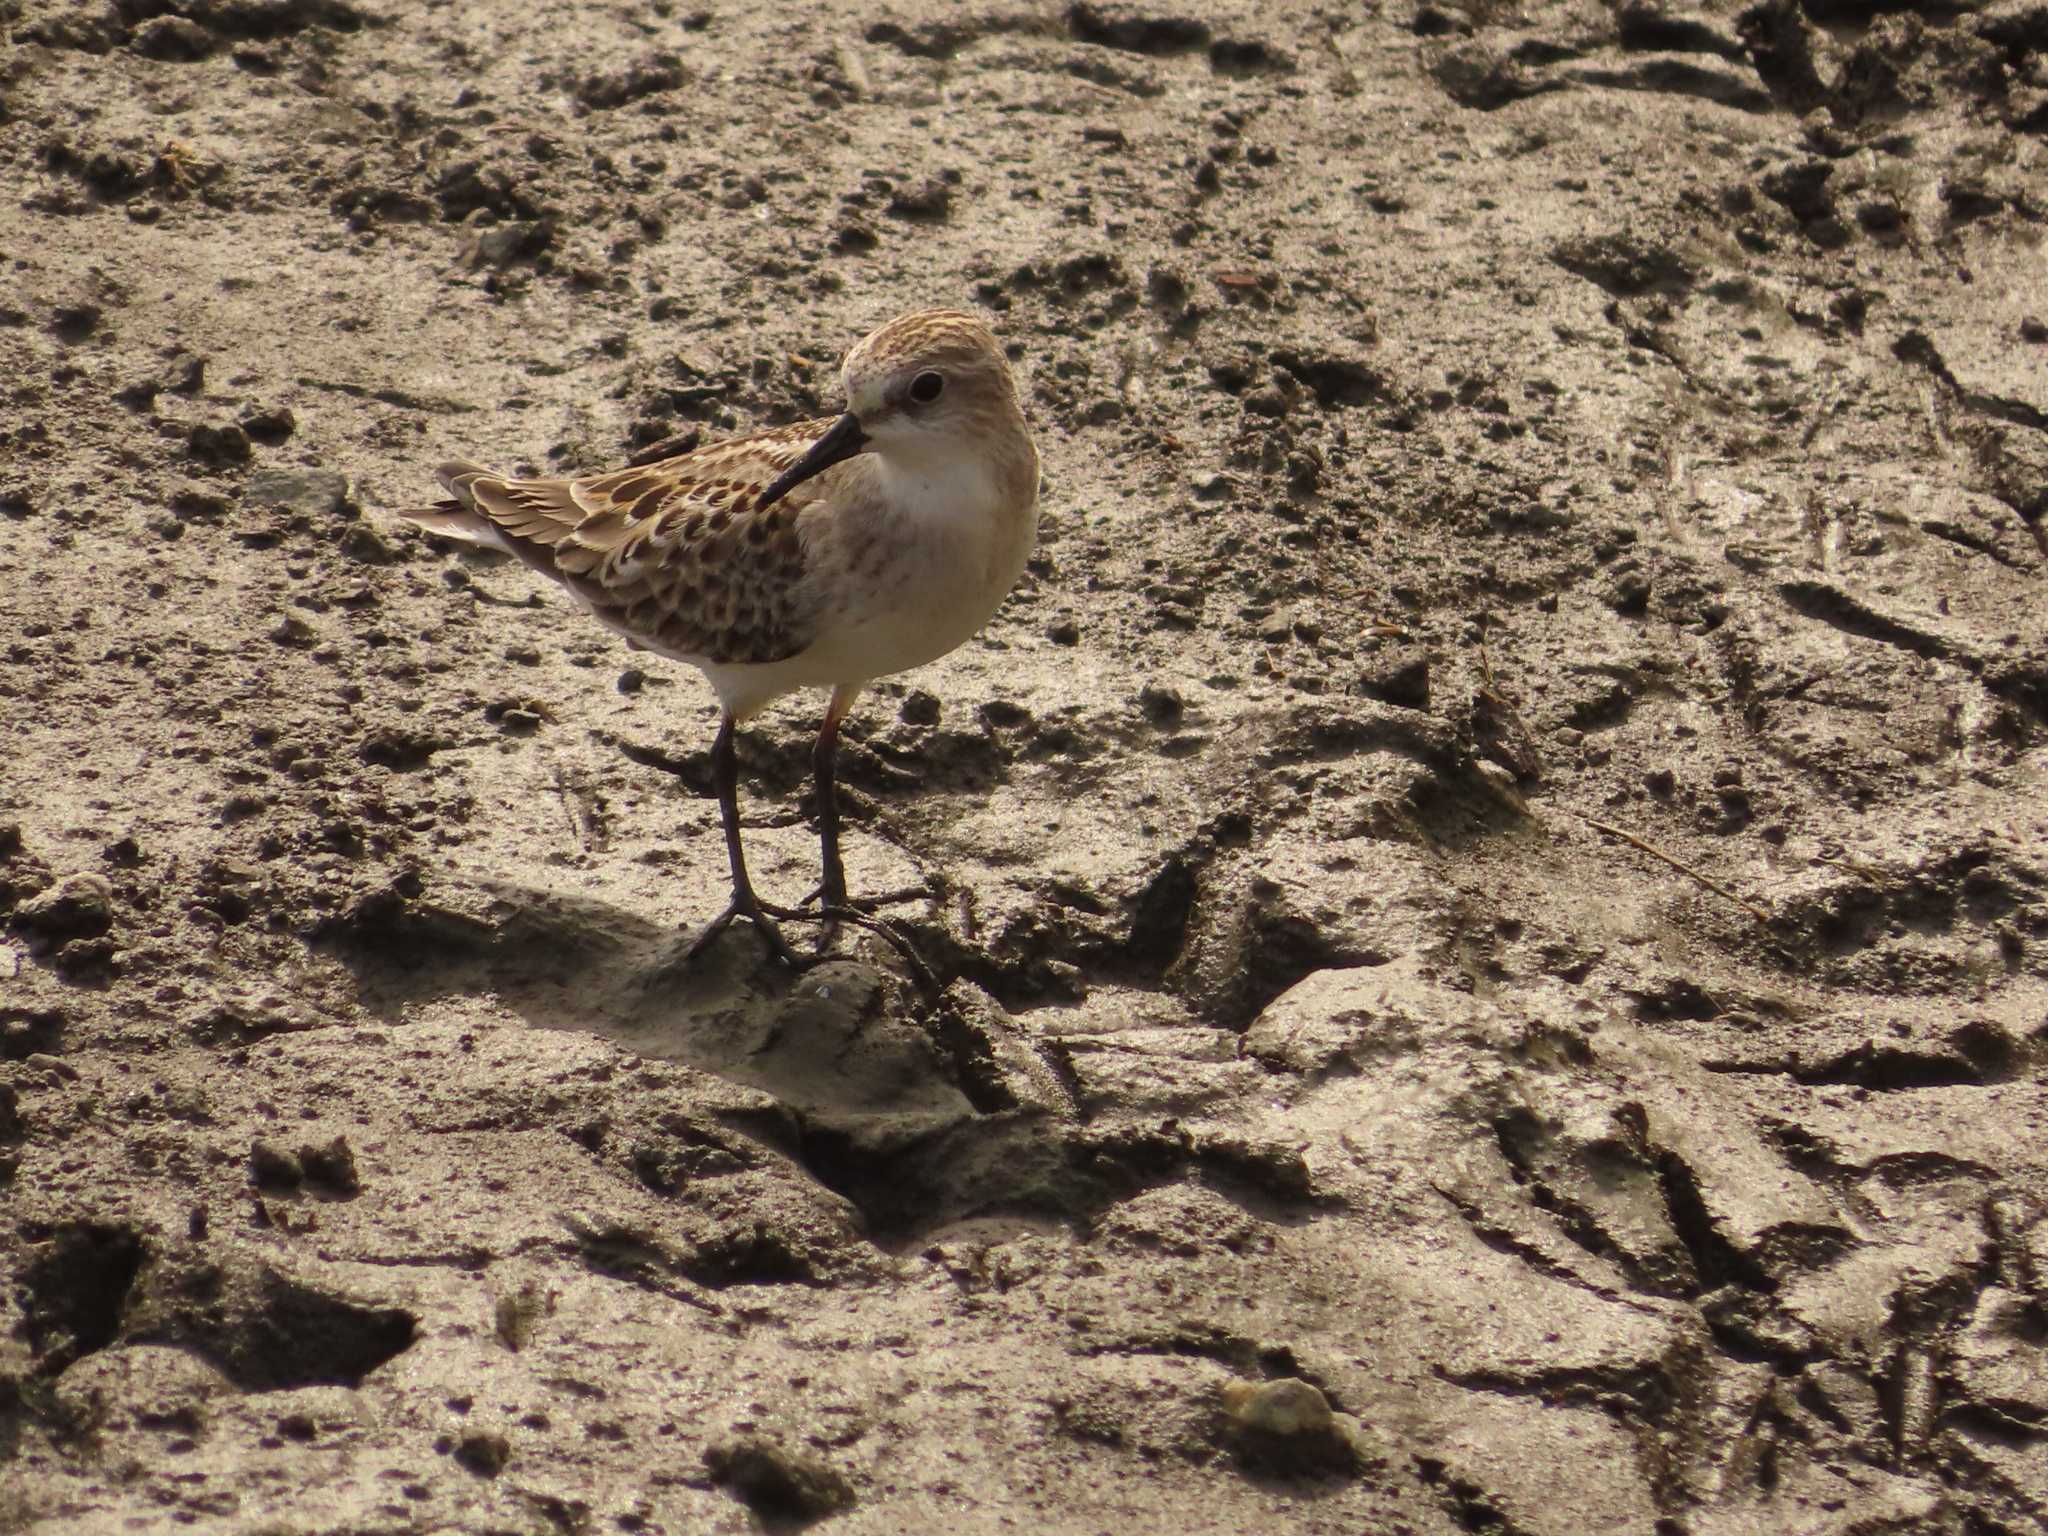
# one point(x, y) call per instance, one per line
point(824, 554)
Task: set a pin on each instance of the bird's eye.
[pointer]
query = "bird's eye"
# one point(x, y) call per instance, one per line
point(927, 387)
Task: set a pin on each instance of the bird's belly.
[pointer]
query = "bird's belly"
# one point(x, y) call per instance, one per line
point(930, 600)
point(913, 626)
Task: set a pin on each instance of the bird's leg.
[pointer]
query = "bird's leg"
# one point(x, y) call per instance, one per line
point(725, 779)
point(824, 757)
point(833, 905)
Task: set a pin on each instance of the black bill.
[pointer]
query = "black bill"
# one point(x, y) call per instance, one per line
point(843, 441)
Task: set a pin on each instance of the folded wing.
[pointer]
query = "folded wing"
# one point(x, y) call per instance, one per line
point(672, 554)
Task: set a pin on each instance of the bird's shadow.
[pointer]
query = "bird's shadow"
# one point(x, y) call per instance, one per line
point(839, 1037)
point(893, 1109)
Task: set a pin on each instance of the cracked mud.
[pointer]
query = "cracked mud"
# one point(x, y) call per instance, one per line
point(1491, 884)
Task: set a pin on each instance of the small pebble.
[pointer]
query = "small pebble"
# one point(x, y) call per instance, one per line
point(775, 1483)
point(483, 1453)
point(1289, 1406)
point(78, 906)
point(331, 1166)
point(1289, 1425)
point(272, 1167)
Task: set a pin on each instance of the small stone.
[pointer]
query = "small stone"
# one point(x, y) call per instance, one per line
point(272, 1167)
point(86, 957)
point(74, 322)
point(293, 631)
point(270, 426)
point(185, 374)
point(1162, 706)
point(78, 906)
point(632, 680)
point(928, 203)
point(777, 1484)
point(2031, 329)
point(1304, 473)
point(919, 708)
point(483, 1453)
point(1289, 1406)
point(331, 1166)
point(218, 445)
point(1628, 594)
point(196, 503)
point(1289, 1425)
point(1400, 678)
point(854, 238)
point(176, 39)
point(503, 244)
point(1737, 809)
point(365, 544)
point(1233, 374)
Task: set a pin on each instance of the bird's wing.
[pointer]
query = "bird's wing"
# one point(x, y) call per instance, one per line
point(673, 553)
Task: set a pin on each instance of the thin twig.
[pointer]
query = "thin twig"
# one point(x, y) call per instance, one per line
point(1680, 865)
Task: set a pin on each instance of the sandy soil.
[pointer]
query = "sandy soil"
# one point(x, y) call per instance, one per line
point(1492, 882)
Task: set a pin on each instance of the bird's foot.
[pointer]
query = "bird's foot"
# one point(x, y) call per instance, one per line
point(859, 916)
point(828, 899)
point(764, 917)
point(746, 904)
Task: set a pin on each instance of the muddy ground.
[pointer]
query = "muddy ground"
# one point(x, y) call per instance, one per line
point(1495, 867)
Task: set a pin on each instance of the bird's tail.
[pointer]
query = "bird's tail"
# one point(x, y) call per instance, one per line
point(458, 517)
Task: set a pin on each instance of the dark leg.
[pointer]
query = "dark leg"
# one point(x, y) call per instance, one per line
point(832, 891)
point(725, 778)
point(833, 905)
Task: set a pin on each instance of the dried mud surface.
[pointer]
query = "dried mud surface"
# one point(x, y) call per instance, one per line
point(1492, 881)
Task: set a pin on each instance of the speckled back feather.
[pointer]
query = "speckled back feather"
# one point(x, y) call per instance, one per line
point(670, 553)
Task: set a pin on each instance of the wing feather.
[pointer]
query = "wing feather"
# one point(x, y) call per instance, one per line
point(672, 554)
